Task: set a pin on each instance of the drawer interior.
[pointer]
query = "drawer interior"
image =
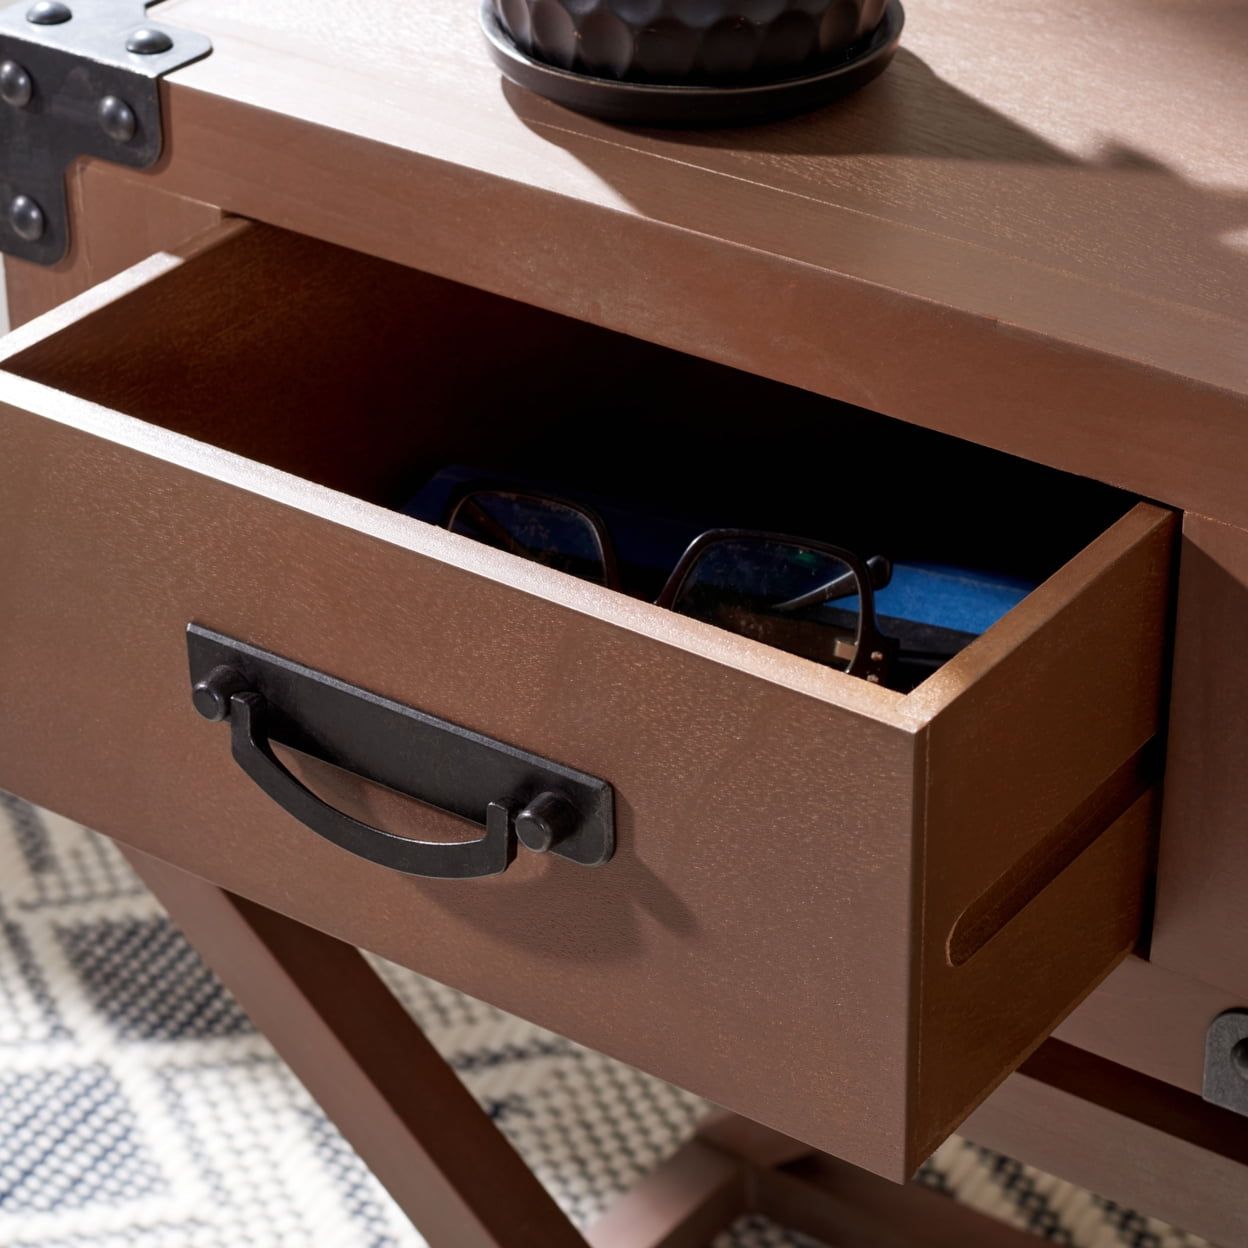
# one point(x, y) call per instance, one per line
point(370, 378)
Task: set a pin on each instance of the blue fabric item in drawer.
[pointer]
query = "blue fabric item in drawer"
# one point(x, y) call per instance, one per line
point(945, 596)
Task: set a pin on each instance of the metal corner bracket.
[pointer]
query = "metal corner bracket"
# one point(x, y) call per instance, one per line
point(1226, 1062)
point(77, 78)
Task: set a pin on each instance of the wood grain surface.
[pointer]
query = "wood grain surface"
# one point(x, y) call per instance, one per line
point(1150, 1020)
point(685, 1203)
point(151, 431)
point(1006, 762)
point(1129, 1138)
point(836, 1203)
point(1017, 234)
point(1202, 900)
point(117, 221)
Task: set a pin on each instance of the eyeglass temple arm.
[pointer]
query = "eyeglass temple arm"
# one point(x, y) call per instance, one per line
point(879, 568)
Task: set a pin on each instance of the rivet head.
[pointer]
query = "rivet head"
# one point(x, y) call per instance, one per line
point(544, 822)
point(27, 219)
point(117, 119)
point(148, 41)
point(1239, 1058)
point(16, 87)
point(212, 695)
point(49, 13)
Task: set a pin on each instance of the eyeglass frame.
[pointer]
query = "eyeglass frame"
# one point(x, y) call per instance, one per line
point(874, 649)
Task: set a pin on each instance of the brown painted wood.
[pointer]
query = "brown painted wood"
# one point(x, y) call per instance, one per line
point(362, 1057)
point(116, 222)
point(804, 958)
point(685, 1203)
point(838, 1204)
point(997, 783)
point(1113, 1131)
point(759, 1146)
point(1136, 1140)
point(1144, 1128)
point(769, 1174)
point(1012, 235)
point(1150, 1020)
point(1202, 919)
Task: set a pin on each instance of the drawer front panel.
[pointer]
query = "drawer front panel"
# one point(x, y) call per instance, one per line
point(691, 929)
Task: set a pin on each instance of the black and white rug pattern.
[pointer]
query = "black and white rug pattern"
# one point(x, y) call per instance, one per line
point(140, 1109)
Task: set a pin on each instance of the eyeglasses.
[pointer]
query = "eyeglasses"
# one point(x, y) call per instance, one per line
point(805, 597)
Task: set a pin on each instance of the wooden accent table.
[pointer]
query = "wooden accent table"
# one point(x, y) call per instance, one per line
point(860, 917)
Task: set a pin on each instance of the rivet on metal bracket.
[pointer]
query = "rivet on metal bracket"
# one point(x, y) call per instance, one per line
point(16, 87)
point(148, 41)
point(117, 119)
point(27, 219)
point(76, 82)
point(1226, 1062)
point(49, 13)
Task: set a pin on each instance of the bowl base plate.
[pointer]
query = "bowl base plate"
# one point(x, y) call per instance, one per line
point(686, 104)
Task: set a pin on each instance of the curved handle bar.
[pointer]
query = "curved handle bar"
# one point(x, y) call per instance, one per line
point(249, 743)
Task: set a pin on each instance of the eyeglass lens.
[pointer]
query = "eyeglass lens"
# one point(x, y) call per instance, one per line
point(799, 600)
point(544, 530)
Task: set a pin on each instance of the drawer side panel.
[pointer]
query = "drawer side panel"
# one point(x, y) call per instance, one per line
point(1049, 732)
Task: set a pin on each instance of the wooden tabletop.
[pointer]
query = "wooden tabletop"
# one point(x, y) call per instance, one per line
point(1032, 231)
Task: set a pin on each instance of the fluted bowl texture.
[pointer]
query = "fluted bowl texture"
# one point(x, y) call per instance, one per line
point(718, 42)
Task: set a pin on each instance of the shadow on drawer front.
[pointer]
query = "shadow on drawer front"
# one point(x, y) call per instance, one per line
point(840, 909)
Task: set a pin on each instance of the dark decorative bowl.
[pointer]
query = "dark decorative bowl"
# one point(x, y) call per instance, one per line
point(675, 42)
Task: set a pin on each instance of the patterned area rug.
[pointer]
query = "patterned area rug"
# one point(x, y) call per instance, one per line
point(140, 1109)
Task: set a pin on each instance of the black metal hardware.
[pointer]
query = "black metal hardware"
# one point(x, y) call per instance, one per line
point(545, 822)
point(76, 79)
point(1226, 1062)
point(549, 808)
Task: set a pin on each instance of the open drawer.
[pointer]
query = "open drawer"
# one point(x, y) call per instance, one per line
point(840, 910)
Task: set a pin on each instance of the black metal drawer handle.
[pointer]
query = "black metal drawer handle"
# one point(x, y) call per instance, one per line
point(378, 739)
point(249, 744)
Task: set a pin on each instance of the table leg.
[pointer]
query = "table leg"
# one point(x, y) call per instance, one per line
point(359, 1053)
